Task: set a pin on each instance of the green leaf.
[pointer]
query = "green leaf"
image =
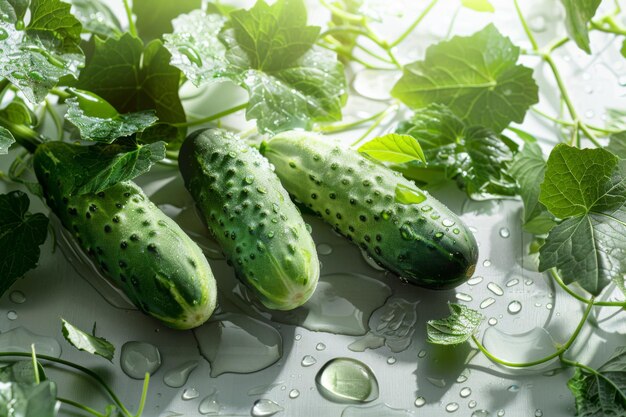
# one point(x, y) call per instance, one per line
point(22, 372)
point(528, 169)
point(290, 81)
point(455, 329)
point(601, 392)
point(475, 157)
point(99, 167)
point(469, 75)
point(95, 125)
point(36, 57)
point(86, 342)
point(587, 189)
point(394, 147)
point(478, 5)
point(21, 234)
point(133, 78)
point(97, 18)
point(617, 144)
point(409, 195)
point(195, 47)
point(17, 399)
point(578, 15)
point(6, 140)
point(17, 113)
point(152, 25)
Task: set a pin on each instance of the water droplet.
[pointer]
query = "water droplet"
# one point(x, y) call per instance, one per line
point(308, 360)
point(505, 233)
point(462, 378)
point(513, 388)
point(437, 382)
point(492, 321)
point(374, 84)
point(20, 339)
point(294, 393)
point(297, 337)
point(17, 297)
point(501, 413)
point(391, 360)
point(238, 343)
point(421, 353)
point(209, 405)
point(475, 280)
point(190, 394)
point(473, 404)
point(320, 346)
point(512, 282)
point(447, 223)
point(514, 307)
point(495, 288)
point(538, 413)
point(324, 249)
point(463, 297)
point(487, 302)
point(481, 413)
point(420, 401)
point(265, 408)
point(37, 76)
point(249, 179)
point(3, 34)
point(486, 263)
point(375, 411)
point(19, 25)
point(549, 306)
point(178, 376)
point(139, 358)
point(465, 392)
point(529, 282)
point(347, 380)
point(263, 389)
point(12, 315)
point(452, 407)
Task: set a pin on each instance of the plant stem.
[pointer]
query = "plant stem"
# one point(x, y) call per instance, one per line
point(58, 124)
point(557, 44)
point(357, 31)
point(571, 124)
point(373, 54)
point(144, 395)
point(86, 371)
point(340, 127)
point(35, 367)
point(60, 93)
point(80, 406)
point(613, 26)
point(212, 117)
point(342, 51)
point(413, 25)
point(342, 13)
point(527, 30)
point(559, 281)
point(558, 353)
point(379, 119)
point(131, 23)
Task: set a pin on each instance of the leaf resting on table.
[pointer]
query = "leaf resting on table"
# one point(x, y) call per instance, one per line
point(86, 342)
point(455, 329)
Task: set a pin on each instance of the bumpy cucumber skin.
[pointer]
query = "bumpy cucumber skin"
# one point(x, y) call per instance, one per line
point(246, 209)
point(424, 243)
point(141, 250)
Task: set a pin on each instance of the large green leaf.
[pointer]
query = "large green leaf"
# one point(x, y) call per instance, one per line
point(291, 82)
point(133, 78)
point(21, 234)
point(34, 57)
point(18, 399)
point(470, 75)
point(586, 188)
point(86, 342)
point(96, 17)
point(528, 169)
point(154, 17)
point(99, 167)
point(457, 328)
point(601, 392)
point(578, 15)
point(6, 140)
point(195, 47)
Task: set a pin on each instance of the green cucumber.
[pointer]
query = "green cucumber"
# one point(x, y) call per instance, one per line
point(401, 227)
point(246, 209)
point(141, 250)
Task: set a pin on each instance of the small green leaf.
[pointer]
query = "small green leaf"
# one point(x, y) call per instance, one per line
point(133, 78)
point(105, 126)
point(478, 5)
point(99, 167)
point(18, 399)
point(195, 47)
point(587, 189)
point(21, 234)
point(17, 113)
point(458, 328)
point(291, 82)
point(394, 147)
point(152, 25)
point(86, 342)
point(6, 140)
point(36, 58)
point(528, 169)
point(409, 195)
point(578, 15)
point(602, 392)
point(96, 17)
point(469, 75)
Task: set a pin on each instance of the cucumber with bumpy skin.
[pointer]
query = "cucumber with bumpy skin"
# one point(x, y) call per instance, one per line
point(249, 213)
point(400, 226)
point(141, 250)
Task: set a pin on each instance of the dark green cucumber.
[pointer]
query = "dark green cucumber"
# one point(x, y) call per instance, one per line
point(249, 213)
point(141, 250)
point(378, 209)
